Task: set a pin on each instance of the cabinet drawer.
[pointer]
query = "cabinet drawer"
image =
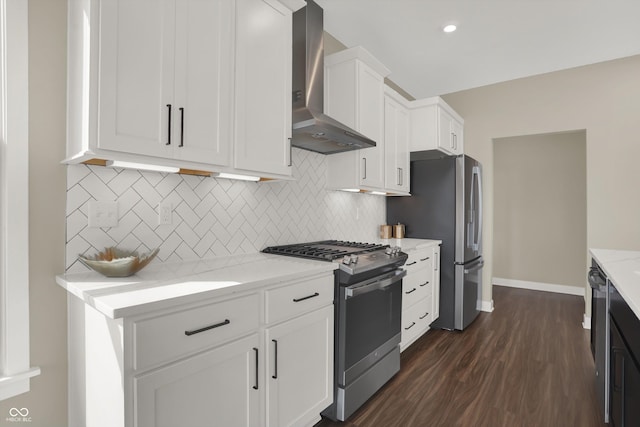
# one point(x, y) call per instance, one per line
point(162, 339)
point(416, 320)
point(414, 288)
point(297, 298)
point(419, 260)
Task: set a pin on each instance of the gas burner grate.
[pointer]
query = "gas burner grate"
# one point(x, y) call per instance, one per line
point(326, 250)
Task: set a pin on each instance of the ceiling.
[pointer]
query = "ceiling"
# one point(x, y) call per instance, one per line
point(496, 40)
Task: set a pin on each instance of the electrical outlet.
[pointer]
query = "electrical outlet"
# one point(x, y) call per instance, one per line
point(103, 214)
point(165, 213)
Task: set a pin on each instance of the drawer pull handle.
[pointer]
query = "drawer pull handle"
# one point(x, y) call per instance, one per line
point(411, 263)
point(412, 290)
point(206, 328)
point(169, 125)
point(255, 387)
point(275, 360)
point(410, 326)
point(425, 284)
point(425, 315)
point(307, 297)
point(424, 259)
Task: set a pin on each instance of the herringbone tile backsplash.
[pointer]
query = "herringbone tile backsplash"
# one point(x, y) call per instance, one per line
point(214, 217)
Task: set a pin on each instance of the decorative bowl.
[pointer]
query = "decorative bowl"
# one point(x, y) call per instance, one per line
point(114, 262)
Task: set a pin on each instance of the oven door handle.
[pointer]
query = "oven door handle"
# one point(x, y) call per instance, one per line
point(384, 282)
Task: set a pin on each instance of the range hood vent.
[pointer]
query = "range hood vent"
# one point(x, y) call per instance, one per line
point(312, 129)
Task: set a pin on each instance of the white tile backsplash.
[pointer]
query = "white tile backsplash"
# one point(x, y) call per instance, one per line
point(215, 217)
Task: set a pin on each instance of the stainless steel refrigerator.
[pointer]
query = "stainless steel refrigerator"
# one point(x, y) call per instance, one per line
point(446, 204)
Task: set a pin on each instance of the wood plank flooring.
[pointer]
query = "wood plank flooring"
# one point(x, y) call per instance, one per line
point(526, 364)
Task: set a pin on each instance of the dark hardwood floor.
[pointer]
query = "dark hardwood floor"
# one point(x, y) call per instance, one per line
point(526, 364)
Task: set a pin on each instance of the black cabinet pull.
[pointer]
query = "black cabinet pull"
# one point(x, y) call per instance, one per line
point(410, 326)
point(307, 297)
point(275, 370)
point(424, 259)
point(424, 284)
point(255, 387)
point(425, 315)
point(206, 328)
point(411, 263)
point(181, 127)
point(412, 290)
point(169, 125)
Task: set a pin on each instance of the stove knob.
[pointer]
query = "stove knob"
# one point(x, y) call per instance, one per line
point(346, 260)
point(354, 259)
point(388, 251)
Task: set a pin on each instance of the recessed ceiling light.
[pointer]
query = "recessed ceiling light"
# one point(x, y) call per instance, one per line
point(450, 28)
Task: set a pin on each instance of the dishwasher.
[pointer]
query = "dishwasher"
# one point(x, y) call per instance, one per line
point(600, 333)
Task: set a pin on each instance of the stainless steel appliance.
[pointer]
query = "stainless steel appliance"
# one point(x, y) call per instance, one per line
point(446, 204)
point(368, 305)
point(312, 129)
point(600, 333)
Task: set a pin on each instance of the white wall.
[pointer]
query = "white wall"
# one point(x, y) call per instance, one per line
point(602, 98)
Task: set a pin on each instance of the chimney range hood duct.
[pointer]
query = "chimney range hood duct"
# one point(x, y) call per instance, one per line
point(312, 129)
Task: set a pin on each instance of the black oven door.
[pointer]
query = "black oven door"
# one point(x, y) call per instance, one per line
point(370, 319)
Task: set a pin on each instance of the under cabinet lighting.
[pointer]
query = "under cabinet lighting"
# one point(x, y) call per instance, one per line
point(378, 193)
point(141, 166)
point(235, 176)
point(351, 190)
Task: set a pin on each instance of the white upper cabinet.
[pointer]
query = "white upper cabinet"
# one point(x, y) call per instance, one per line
point(354, 95)
point(436, 126)
point(198, 84)
point(165, 80)
point(263, 87)
point(396, 143)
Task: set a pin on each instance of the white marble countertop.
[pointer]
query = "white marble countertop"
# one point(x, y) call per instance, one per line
point(164, 285)
point(623, 269)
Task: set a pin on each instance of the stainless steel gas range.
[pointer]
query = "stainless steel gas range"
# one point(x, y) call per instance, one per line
point(368, 304)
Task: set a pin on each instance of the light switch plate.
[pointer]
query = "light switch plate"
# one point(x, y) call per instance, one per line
point(103, 214)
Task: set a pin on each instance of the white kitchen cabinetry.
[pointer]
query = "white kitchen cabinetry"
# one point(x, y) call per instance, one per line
point(197, 84)
point(436, 126)
point(253, 358)
point(300, 369)
point(354, 95)
point(213, 388)
point(421, 293)
point(396, 143)
point(299, 355)
point(263, 87)
point(162, 81)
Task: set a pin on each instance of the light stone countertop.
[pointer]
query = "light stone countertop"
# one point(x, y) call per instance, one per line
point(164, 285)
point(623, 269)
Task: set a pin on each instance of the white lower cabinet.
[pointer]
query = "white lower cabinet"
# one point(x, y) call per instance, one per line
point(421, 293)
point(256, 358)
point(299, 369)
point(219, 387)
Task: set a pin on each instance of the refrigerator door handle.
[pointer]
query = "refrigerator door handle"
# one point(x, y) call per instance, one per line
point(475, 266)
point(477, 206)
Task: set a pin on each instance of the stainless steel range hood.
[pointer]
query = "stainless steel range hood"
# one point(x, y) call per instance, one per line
point(312, 129)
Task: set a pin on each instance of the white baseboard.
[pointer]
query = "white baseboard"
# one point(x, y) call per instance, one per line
point(486, 306)
point(586, 322)
point(537, 286)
